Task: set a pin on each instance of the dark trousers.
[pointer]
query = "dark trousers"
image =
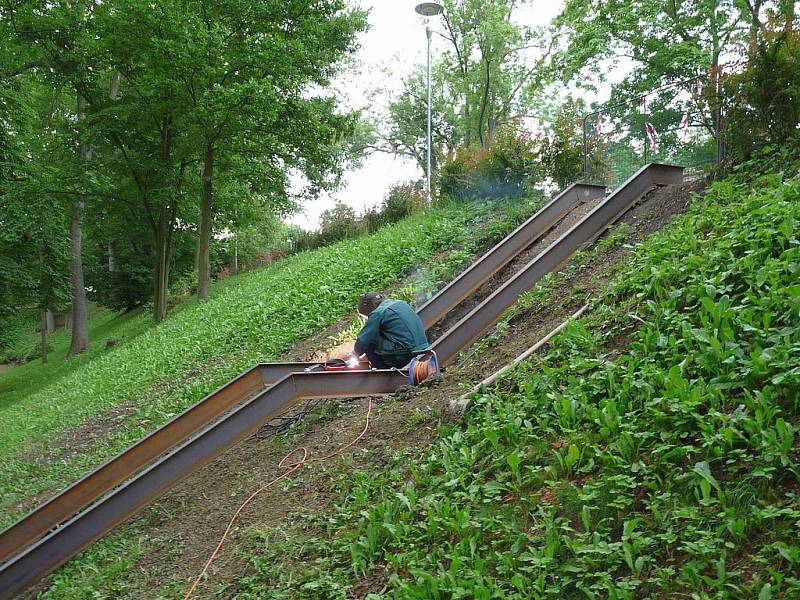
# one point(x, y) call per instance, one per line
point(387, 362)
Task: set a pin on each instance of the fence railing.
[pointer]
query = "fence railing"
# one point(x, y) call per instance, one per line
point(674, 124)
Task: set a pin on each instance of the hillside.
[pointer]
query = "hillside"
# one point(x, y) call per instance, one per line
point(650, 450)
point(80, 412)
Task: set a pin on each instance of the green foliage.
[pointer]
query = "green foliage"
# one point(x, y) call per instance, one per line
point(764, 99)
point(17, 340)
point(670, 467)
point(338, 223)
point(402, 200)
point(505, 168)
point(341, 222)
point(129, 285)
point(561, 146)
point(144, 111)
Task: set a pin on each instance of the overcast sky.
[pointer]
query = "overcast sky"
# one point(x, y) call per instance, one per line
point(395, 40)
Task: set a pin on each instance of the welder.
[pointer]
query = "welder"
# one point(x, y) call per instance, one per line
point(393, 334)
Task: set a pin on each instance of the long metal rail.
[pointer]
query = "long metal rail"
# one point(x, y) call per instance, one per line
point(80, 494)
point(64, 542)
point(488, 312)
point(523, 236)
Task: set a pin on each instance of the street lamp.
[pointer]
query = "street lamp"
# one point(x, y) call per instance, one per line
point(428, 10)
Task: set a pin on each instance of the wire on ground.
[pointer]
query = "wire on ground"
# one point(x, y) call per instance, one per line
point(290, 468)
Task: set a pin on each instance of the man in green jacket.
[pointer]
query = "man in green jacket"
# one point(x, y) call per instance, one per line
point(393, 334)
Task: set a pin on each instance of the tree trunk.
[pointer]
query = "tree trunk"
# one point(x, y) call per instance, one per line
point(50, 320)
point(204, 233)
point(44, 336)
point(80, 323)
point(484, 104)
point(112, 266)
point(163, 249)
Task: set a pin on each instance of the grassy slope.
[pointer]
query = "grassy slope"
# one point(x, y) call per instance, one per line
point(666, 466)
point(164, 369)
point(31, 377)
point(160, 370)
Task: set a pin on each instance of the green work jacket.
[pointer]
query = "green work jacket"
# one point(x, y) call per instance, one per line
point(393, 328)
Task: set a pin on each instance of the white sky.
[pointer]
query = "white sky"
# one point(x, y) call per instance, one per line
point(395, 40)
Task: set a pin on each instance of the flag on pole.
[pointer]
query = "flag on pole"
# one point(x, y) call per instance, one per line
point(685, 127)
point(651, 136)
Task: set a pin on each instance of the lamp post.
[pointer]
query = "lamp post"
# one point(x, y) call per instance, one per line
point(428, 10)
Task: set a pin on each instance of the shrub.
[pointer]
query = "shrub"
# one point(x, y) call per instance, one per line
point(561, 147)
point(403, 200)
point(512, 161)
point(502, 169)
point(341, 222)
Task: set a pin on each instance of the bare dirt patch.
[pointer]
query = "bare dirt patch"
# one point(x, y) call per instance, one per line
point(193, 515)
point(4, 367)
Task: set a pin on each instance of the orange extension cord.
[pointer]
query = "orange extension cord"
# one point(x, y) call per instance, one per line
point(420, 371)
point(290, 469)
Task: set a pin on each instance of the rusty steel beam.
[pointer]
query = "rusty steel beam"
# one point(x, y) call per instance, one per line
point(86, 490)
point(490, 263)
point(273, 372)
point(127, 500)
point(479, 272)
point(487, 313)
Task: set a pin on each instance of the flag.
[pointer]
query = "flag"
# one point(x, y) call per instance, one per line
point(685, 127)
point(651, 136)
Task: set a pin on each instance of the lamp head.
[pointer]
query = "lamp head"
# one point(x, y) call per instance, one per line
point(429, 9)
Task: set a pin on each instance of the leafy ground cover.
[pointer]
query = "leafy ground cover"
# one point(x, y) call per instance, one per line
point(94, 406)
point(106, 329)
point(649, 453)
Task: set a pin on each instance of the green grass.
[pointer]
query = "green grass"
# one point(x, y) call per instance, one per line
point(31, 377)
point(160, 370)
point(671, 470)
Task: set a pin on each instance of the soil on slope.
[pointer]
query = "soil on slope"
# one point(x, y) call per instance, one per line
point(185, 526)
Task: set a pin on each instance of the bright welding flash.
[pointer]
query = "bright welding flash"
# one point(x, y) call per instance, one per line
point(352, 362)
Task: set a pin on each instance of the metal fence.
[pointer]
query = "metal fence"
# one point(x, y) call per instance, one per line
point(673, 125)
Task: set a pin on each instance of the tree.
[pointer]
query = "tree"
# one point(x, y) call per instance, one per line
point(491, 64)
point(52, 38)
point(228, 101)
point(244, 71)
point(34, 249)
point(667, 42)
point(488, 76)
point(180, 105)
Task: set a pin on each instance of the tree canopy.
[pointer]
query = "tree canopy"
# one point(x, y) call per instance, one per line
point(134, 133)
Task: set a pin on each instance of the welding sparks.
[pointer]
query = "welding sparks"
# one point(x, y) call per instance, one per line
point(352, 362)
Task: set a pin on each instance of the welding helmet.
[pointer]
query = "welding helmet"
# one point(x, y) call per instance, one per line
point(368, 302)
